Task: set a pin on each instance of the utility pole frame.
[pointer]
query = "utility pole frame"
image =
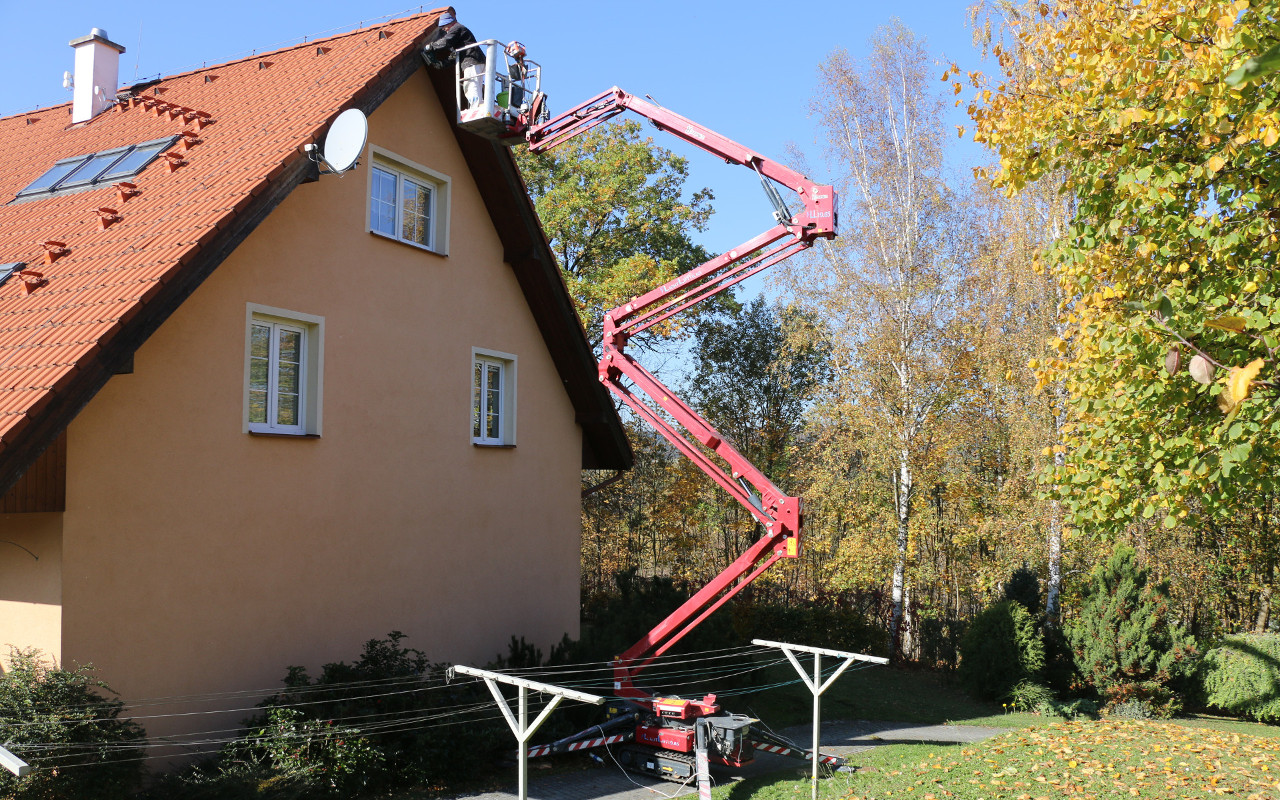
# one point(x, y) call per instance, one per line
point(14, 764)
point(520, 726)
point(816, 685)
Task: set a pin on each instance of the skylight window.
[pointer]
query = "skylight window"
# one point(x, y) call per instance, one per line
point(8, 269)
point(97, 168)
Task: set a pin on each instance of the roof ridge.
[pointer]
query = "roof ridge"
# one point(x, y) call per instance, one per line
point(251, 57)
point(311, 43)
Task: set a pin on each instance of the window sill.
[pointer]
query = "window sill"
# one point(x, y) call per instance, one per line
point(408, 243)
point(494, 446)
point(269, 435)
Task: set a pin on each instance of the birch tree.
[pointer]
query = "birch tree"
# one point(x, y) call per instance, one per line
point(884, 287)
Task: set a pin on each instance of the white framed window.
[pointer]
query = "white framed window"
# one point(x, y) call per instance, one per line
point(408, 202)
point(493, 398)
point(283, 371)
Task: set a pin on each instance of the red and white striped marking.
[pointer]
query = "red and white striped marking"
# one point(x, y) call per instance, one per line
point(585, 744)
point(808, 754)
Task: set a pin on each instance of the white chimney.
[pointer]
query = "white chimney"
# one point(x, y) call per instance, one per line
point(97, 75)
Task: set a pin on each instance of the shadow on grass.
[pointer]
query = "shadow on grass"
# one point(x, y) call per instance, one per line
point(877, 693)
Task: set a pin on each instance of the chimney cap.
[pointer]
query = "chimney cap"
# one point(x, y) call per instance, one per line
point(96, 35)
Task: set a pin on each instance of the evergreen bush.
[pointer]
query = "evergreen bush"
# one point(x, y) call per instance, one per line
point(1001, 649)
point(1126, 645)
point(1023, 587)
point(1241, 676)
point(59, 722)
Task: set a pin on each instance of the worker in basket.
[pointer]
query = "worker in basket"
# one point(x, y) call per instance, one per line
point(442, 48)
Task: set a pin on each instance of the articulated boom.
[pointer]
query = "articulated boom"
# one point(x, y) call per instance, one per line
point(780, 514)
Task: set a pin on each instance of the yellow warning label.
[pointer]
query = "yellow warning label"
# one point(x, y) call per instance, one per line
point(793, 547)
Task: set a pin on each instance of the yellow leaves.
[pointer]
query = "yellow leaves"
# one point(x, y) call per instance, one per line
point(1228, 323)
point(1214, 165)
point(959, 131)
point(1134, 114)
point(1251, 286)
point(1235, 387)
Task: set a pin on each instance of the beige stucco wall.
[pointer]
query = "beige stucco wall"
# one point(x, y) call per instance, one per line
point(199, 558)
point(31, 583)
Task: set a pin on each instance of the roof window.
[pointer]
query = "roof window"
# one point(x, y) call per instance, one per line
point(8, 269)
point(97, 168)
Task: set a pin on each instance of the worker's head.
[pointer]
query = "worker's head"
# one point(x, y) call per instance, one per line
point(448, 17)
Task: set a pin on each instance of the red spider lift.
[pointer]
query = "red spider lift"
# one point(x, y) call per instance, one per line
point(663, 732)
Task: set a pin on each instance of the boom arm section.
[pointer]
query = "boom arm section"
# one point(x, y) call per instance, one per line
point(779, 514)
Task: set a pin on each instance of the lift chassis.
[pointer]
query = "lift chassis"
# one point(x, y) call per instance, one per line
point(659, 735)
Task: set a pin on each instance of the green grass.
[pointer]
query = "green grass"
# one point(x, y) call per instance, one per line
point(1102, 759)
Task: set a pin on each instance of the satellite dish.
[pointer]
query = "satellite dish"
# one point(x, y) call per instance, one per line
point(345, 141)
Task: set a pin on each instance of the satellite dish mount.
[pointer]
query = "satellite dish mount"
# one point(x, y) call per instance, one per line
point(343, 144)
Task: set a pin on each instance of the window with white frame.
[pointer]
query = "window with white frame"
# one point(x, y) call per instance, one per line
point(493, 395)
point(408, 202)
point(282, 372)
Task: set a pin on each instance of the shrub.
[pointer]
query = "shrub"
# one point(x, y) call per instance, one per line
point(1070, 709)
point(1023, 587)
point(1030, 696)
point(388, 720)
point(1001, 648)
point(1125, 644)
point(314, 752)
point(1241, 676)
point(1133, 709)
point(85, 749)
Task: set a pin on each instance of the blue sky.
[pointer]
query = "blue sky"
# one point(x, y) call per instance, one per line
point(746, 69)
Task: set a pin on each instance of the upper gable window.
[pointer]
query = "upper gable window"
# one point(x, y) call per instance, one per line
point(97, 168)
point(408, 202)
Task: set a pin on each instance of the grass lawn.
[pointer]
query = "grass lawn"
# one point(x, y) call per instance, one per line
point(1104, 759)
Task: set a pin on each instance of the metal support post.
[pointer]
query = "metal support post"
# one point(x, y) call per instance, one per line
point(521, 727)
point(702, 765)
point(14, 764)
point(816, 685)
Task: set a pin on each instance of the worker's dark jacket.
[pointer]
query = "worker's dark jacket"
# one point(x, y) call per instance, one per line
point(442, 43)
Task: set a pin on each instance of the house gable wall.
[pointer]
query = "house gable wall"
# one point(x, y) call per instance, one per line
point(200, 558)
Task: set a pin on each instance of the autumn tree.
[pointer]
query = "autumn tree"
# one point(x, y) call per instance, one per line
point(1167, 271)
point(754, 372)
point(613, 206)
point(885, 288)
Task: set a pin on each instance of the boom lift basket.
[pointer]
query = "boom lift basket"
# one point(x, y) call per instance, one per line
point(509, 91)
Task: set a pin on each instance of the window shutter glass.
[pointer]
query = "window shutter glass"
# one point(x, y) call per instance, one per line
point(259, 371)
point(382, 203)
point(493, 402)
point(288, 367)
point(415, 218)
point(477, 400)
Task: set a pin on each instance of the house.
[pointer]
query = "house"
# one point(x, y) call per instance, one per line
point(252, 414)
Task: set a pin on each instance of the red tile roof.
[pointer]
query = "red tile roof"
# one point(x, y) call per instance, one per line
point(246, 122)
